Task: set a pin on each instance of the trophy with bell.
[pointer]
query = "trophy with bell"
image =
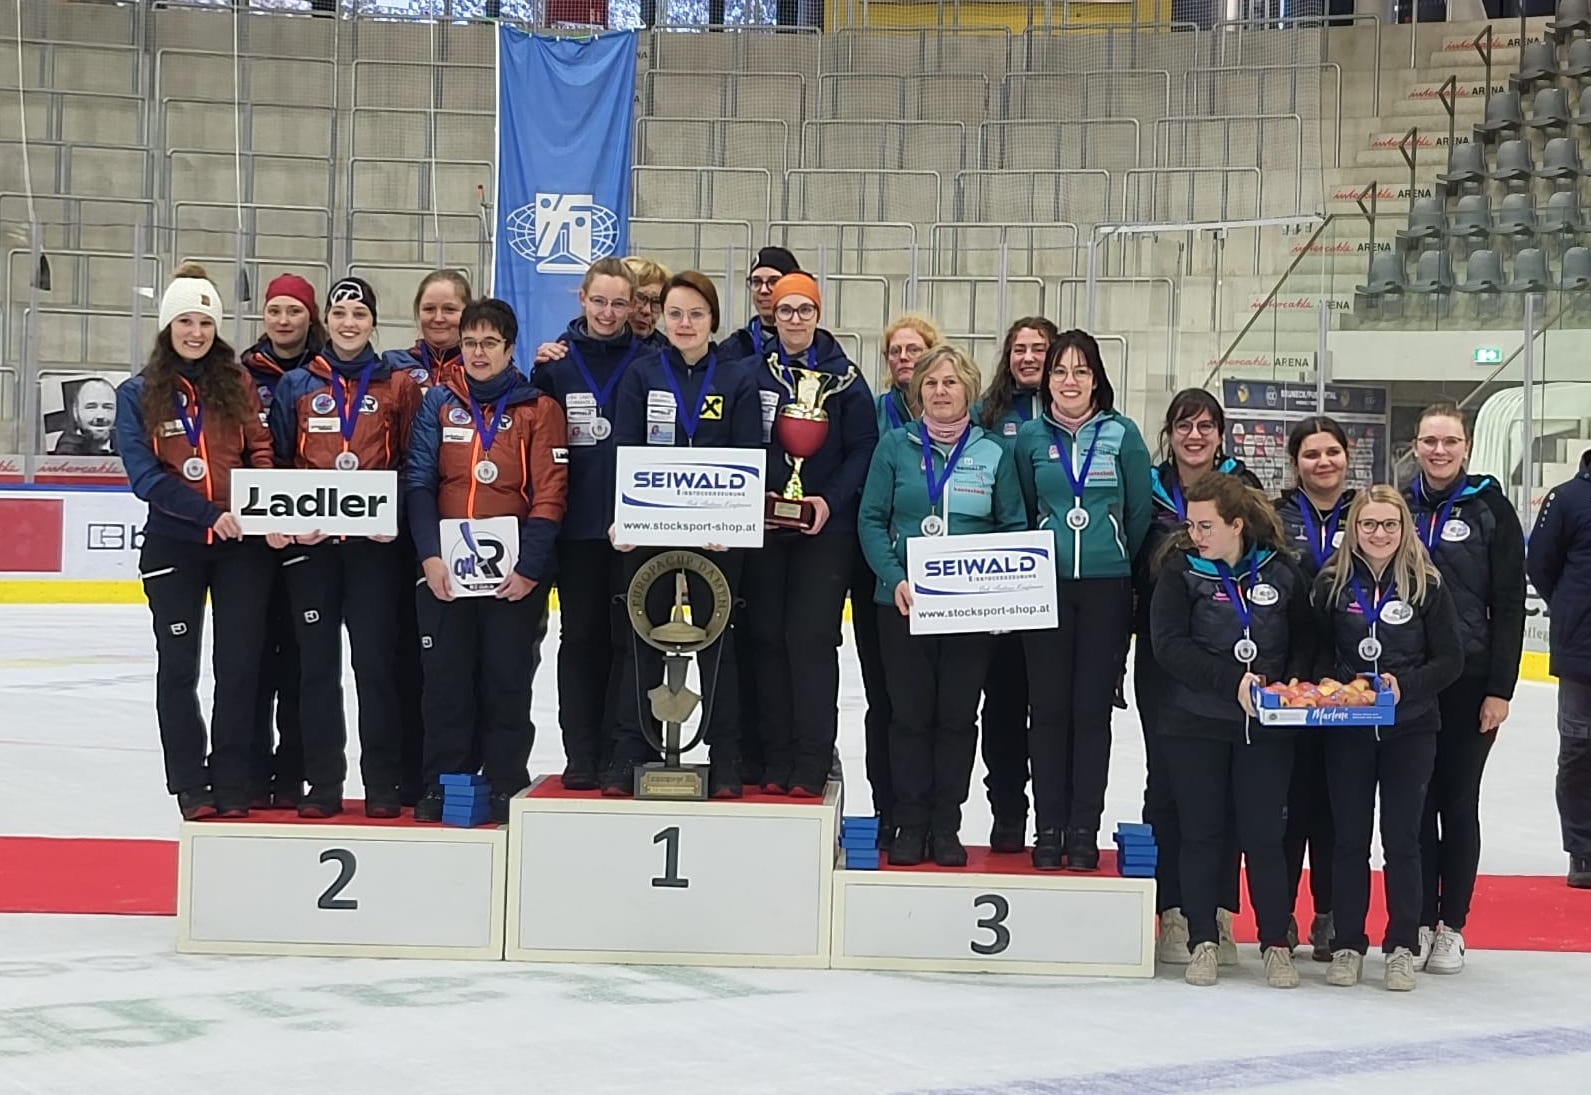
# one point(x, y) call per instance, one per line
point(800, 428)
point(678, 639)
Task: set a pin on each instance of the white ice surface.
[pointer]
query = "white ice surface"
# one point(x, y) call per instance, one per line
point(92, 1004)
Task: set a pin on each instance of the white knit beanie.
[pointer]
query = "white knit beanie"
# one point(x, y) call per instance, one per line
point(190, 291)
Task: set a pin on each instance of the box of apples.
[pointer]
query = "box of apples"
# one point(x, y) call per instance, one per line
point(1359, 702)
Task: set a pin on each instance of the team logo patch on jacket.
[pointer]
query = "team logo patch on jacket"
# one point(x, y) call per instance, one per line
point(458, 416)
point(712, 408)
point(323, 403)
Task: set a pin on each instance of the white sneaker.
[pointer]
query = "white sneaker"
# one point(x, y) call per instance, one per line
point(1400, 970)
point(1447, 952)
point(1226, 946)
point(1202, 966)
point(1172, 946)
point(1280, 973)
point(1346, 966)
point(1427, 941)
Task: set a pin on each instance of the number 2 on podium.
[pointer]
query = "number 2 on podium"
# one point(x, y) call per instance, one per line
point(346, 865)
point(670, 879)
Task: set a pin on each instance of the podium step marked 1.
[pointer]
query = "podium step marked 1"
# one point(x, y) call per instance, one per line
point(997, 915)
point(347, 886)
point(745, 883)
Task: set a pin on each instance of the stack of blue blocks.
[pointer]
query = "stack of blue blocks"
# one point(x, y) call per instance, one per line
point(859, 842)
point(466, 800)
point(1136, 852)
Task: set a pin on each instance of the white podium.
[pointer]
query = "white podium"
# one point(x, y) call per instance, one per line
point(997, 915)
point(718, 883)
point(346, 886)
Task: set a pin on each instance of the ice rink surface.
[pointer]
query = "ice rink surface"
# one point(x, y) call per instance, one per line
point(103, 1005)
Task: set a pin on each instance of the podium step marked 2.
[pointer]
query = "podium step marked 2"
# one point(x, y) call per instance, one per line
point(997, 915)
point(741, 883)
point(346, 886)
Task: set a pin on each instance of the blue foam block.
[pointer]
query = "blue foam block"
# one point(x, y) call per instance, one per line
point(1135, 828)
point(1133, 838)
point(859, 840)
point(862, 862)
point(1137, 872)
point(859, 822)
point(461, 814)
point(466, 796)
point(1147, 864)
point(463, 779)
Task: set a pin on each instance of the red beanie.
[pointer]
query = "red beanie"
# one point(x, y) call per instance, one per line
point(291, 285)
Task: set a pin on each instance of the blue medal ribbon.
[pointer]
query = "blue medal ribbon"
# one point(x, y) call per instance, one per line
point(1234, 592)
point(1433, 535)
point(487, 425)
point(192, 428)
point(754, 328)
point(1080, 480)
point(604, 393)
point(348, 416)
point(891, 411)
point(1319, 546)
point(1372, 613)
point(936, 485)
point(1028, 414)
point(691, 417)
point(1178, 503)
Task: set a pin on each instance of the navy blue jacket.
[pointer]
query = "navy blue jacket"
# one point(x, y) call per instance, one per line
point(838, 469)
point(592, 463)
point(1558, 561)
point(731, 412)
point(752, 340)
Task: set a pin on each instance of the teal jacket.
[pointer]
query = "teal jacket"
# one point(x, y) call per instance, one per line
point(1025, 406)
point(1116, 496)
point(982, 496)
point(882, 404)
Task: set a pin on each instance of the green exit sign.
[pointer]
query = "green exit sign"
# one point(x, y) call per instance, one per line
point(1488, 355)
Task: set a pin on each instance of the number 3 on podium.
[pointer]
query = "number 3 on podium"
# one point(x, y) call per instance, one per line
point(999, 909)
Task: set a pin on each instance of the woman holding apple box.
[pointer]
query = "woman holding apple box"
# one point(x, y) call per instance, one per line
point(1383, 610)
point(487, 445)
point(1230, 611)
point(685, 397)
point(349, 408)
point(940, 476)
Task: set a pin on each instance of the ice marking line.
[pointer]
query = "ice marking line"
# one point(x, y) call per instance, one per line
point(1239, 1073)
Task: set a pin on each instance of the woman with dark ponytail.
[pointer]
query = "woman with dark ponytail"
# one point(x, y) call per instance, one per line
point(182, 425)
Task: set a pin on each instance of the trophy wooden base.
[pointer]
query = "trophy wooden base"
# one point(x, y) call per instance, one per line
point(796, 513)
point(657, 781)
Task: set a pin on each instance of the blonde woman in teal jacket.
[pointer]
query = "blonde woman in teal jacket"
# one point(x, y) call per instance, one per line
point(939, 476)
point(1084, 471)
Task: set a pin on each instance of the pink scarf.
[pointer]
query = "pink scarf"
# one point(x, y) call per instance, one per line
point(947, 433)
point(1072, 424)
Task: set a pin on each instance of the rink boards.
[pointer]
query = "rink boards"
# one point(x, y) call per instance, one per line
point(575, 877)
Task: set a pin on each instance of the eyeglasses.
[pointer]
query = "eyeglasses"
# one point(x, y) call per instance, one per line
point(602, 304)
point(1368, 525)
point(695, 315)
point(485, 345)
point(648, 301)
point(761, 285)
point(1431, 444)
point(905, 353)
point(1081, 372)
point(1204, 428)
point(787, 312)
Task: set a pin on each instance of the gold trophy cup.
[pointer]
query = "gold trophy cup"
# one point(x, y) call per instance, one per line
point(801, 428)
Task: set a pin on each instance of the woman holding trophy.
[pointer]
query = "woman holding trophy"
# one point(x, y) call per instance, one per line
point(941, 476)
point(818, 422)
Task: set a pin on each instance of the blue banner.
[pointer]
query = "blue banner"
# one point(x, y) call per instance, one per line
point(565, 109)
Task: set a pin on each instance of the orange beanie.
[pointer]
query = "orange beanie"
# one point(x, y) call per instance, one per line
point(799, 284)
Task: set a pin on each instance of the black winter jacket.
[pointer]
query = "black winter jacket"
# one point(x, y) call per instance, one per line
point(1559, 563)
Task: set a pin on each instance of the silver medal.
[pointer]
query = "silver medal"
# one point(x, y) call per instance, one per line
point(1245, 650)
point(1370, 648)
point(933, 525)
point(346, 461)
point(1077, 518)
point(193, 469)
point(485, 472)
point(601, 428)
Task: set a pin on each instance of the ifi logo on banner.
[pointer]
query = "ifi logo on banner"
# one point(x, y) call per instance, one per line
point(980, 571)
point(476, 559)
point(563, 233)
point(700, 485)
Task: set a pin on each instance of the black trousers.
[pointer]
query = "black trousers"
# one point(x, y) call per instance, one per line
point(480, 656)
point(795, 595)
point(1216, 781)
point(1450, 833)
point(1309, 823)
point(1574, 765)
point(177, 575)
point(864, 628)
point(278, 749)
point(641, 669)
point(1004, 721)
point(338, 583)
point(593, 639)
point(1072, 672)
point(410, 671)
point(1356, 764)
point(934, 682)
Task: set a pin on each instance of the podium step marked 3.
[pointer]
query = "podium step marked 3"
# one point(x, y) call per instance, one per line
point(348, 886)
point(744, 883)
